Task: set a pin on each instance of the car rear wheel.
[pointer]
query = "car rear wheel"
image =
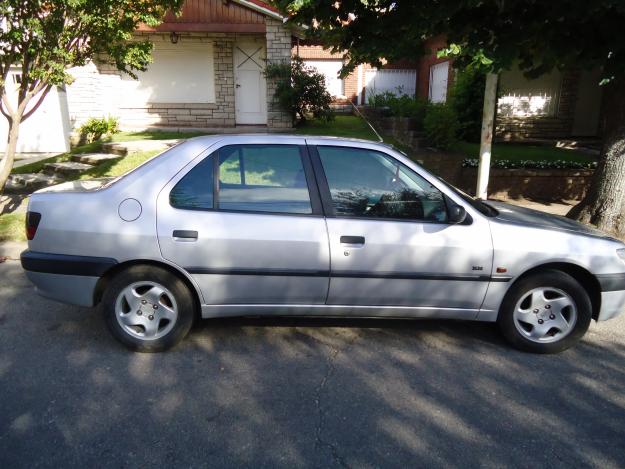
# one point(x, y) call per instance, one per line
point(148, 309)
point(546, 312)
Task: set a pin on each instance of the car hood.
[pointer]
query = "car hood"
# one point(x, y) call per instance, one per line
point(515, 215)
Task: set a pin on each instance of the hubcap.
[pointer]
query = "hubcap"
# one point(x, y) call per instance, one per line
point(146, 310)
point(545, 315)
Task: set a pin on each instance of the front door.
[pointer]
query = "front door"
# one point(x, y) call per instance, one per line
point(391, 244)
point(250, 89)
point(247, 226)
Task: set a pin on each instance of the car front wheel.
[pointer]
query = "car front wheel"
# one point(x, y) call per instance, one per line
point(148, 309)
point(546, 312)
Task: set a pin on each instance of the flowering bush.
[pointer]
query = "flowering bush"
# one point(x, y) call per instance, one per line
point(531, 164)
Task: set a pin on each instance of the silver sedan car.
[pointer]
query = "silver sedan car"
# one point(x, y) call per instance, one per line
point(268, 225)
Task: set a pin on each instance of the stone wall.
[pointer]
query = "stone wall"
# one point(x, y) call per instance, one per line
point(221, 113)
point(96, 89)
point(550, 185)
point(96, 92)
point(278, 52)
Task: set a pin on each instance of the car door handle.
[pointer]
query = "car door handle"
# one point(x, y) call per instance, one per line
point(353, 240)
point(186, 235)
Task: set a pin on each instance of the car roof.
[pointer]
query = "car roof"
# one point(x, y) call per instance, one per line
point(275, 137)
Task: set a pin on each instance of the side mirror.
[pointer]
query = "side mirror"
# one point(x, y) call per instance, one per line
point(457, 214)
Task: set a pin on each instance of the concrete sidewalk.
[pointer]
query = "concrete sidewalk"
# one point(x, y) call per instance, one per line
point(12, 249)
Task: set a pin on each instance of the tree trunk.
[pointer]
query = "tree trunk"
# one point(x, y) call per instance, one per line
point(604, 205)
point(9, 153)
point(486, 142)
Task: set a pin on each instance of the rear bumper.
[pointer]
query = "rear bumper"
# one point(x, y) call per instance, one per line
point(612, 295)
point(72, 289)
point(69, 279)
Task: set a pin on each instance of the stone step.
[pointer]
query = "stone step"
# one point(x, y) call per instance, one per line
point(30, 182)
point(66, 168)
point(138, 146)
point(115, 149)
point(95, 158)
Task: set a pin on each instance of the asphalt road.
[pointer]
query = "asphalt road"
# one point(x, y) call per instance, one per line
point(300, 392)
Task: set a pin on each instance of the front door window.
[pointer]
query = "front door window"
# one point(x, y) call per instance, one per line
point(369, 184)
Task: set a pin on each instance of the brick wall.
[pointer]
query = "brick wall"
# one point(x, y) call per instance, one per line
point(278, 51)
point(550, 185)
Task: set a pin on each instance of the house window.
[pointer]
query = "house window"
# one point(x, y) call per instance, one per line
point(179, 73)
point(520, 97)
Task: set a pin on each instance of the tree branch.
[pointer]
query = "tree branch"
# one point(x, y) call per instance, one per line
point(5, 113)
point(7, 104)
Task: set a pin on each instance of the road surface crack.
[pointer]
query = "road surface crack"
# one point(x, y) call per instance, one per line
point(321, 410)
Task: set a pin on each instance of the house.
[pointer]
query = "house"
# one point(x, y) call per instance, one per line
point(428, 77)
point(559, 105)
point(363, 81)
point(207, 73)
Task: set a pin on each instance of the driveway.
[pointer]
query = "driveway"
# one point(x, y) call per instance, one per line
point(300, 392)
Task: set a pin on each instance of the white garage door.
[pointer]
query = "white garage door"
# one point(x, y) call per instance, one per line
point(47, 130)
point(439, 75)
point(396, 81)
point(330, 70)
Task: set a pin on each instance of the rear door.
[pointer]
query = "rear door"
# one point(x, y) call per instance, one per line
point(390, 242)
point(246, 223)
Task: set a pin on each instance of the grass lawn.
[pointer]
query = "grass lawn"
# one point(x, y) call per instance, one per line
point(12, 227)
point(516, 151)
point(118, 167)
point(341, 126)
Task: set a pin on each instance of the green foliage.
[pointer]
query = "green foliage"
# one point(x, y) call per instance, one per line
point(12, 227)
point(467, 100)
point(95, 127)
point(47, 38)
point(300, 90)
point(440, 125)
point(400, 105)
point(539, 36)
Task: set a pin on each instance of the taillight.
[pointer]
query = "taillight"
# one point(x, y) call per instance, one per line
point(32, 222)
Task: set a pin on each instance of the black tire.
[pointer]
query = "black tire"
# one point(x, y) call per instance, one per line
point(144, 273)
point(553, 279)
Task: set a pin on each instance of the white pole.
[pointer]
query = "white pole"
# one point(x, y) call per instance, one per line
point(486, 142)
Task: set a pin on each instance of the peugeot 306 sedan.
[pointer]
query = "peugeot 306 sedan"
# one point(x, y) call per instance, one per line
point(283, 225)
